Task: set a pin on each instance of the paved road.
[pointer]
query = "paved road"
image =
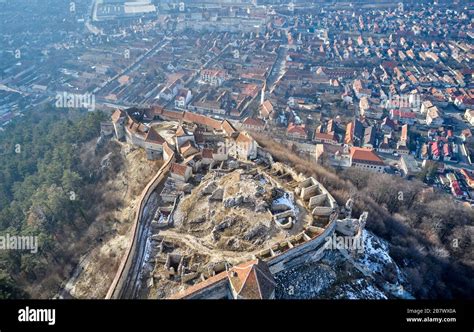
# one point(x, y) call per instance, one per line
point(134, 65)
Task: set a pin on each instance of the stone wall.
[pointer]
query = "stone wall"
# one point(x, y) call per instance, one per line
point(219, 290)
point(298, 254)
point(287, 169)
point(264, 154)
point(115, 288)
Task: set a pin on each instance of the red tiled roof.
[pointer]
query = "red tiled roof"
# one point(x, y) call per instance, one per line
point(252, 280)
point(466, 132)
point(267, 108)
point(188, 148)
point(253, 122)
point(207, 153)
point(181, 132)
point(325, 136)
point(296, 130)
point(211, 281)
point(349, 133)
point(213, 72)
point(153, 137)
point(172, 115)
point(243, 138)
point(178, 169)
point(456, 188)
point(435, 148)
point(361, 155)
point(446, 150)
point(202, 119)
point(228, 128)
point(404, 134)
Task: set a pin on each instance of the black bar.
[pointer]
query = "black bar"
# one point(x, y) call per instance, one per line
point(152, 315)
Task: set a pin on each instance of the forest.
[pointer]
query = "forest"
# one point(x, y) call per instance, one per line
point(41, 193)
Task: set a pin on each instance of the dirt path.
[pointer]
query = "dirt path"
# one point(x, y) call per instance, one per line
point(200, 246)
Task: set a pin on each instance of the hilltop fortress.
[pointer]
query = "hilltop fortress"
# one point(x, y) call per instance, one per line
point(225, 216)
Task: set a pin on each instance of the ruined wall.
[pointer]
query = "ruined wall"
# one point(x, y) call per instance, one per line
point(287, 169)
point(262, 153)
point(297, 255)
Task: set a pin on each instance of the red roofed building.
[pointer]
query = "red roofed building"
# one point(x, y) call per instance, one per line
point(404, 136)
point(207, 156)
point(182, 136)
point(171, 115)
point(253, 124)
point(266, 109)
point(229, 129)
point(464, 101)
point(456, 189)
point(349, 137)
point(468, 177)
point(435, 153)
point(250, 280)
point(329, 138)
point(297, 131)
point(466, 134)
point(137, 133)
point(180, 172)
point(366, 159)
point(153, 144)
point(202, 120)
point(187, 149)
point(404, 117)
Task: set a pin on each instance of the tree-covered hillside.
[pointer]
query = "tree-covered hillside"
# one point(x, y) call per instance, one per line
point(41, 191)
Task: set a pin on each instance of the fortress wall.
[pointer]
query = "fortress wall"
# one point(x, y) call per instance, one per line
point(287, 169)
point(322, 211)
point(115, 288)
point(317, 200)
point(297, 255)
point(307, 192)
point(219, 290)
point(308, 182)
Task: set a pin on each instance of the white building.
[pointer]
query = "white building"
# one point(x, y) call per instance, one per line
point(469, 116)
point(433, 117)
point(366, 159)
point(183, 98)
